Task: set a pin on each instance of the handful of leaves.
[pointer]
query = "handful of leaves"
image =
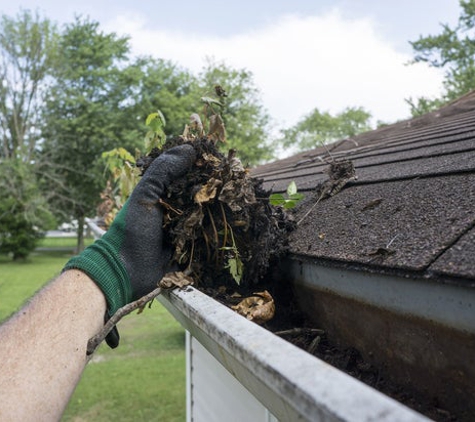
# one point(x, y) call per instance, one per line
point(225, 229)
point(220, 221)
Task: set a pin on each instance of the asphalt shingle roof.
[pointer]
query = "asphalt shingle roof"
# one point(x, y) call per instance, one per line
point(412, 208)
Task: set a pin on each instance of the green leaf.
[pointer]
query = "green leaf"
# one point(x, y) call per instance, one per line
point(162, 118)
point(292, 188)
point(293, 197)
point(296, 197)
point(276, 199)
point(235, 267)
point(125, 155)
point(289, 204)
point(155, 121)
point(209, 101)
point(150, 118)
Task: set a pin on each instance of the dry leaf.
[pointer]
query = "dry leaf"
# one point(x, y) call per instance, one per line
point(217, 132)
point(211, 159)
point(208, 191)
point(195, 123)
point(258, 308)
point(175, 279)
point(186, 232)
point(237, 193)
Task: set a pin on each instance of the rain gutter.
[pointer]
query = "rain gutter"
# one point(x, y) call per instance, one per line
point(292, 384)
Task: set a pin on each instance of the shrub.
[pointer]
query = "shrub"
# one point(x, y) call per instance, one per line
point(24, 215)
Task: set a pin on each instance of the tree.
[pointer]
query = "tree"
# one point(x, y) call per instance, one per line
point(27, 55)
point(319, 128)
point(86, 114)
point(453, 50)
point(24, 213)
point(161, 85)
point(244, 116)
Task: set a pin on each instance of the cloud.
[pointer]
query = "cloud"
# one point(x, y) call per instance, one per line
point(302, 62)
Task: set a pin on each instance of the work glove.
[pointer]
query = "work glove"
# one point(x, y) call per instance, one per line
point(132, 256)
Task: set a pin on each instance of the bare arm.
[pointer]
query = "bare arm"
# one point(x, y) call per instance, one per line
point(43, 348)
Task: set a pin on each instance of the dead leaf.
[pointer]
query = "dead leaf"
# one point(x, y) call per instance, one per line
point(217, 131)
point(258, 308)
point(208, 191)
point(220, 92)
point(175, 279)
point(235, 163)
point(237, 193)
point(372, 204)
point(195, 123)
point(211, 159)
point(186, 232)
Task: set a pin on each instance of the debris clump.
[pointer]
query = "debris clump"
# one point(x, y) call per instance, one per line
point(219, 220)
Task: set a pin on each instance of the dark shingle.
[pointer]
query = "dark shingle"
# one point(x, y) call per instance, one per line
point(402, 224)
point(459, 260)
point(413, 205)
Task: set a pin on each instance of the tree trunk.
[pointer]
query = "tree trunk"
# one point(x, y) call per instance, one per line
point(80, 233)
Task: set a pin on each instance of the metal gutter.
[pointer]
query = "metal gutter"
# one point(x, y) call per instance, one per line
point(290, 383)
point(95, 229)
point(419, 332)
point(450, 305)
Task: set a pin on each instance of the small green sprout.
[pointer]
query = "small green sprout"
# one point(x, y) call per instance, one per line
point(288, 201)
point(155, 137)
point(234, 264)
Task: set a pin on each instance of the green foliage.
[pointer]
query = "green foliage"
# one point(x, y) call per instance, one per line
point(244, 116)
point(155, 137)
point(70, 94)
point(84, 116)
point(453, 50)
point(158, 84)
point(288, 201)
point(319, 128)
point(234, 263)
point(120, 164)
point(27, 55)
point(423, 105)
point(24, 215)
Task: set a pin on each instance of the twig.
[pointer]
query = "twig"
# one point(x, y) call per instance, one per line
point(205, 236)
point(314, 345)
point(215, 232)
point(391, 241)
point(94, 342)
point(296, 331)
point(225, 237)
point(192, 252)
point(311, 208)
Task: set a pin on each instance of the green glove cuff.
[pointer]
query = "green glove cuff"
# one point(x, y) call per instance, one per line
point(101, 262)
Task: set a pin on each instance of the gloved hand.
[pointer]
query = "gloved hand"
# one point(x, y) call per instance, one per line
point(131, 257)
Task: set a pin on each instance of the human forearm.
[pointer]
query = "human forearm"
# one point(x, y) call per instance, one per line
point(43, 349)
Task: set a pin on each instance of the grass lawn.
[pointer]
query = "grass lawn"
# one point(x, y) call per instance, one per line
point(142, 380)
point(62, 242)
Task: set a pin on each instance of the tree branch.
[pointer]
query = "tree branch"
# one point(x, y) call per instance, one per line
point(94, 342)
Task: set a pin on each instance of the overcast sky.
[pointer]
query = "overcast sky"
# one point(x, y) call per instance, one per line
point(303, 53)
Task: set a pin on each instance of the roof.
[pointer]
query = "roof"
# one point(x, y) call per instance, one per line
point(411, 208)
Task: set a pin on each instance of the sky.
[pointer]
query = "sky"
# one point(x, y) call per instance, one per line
point(303, 54)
